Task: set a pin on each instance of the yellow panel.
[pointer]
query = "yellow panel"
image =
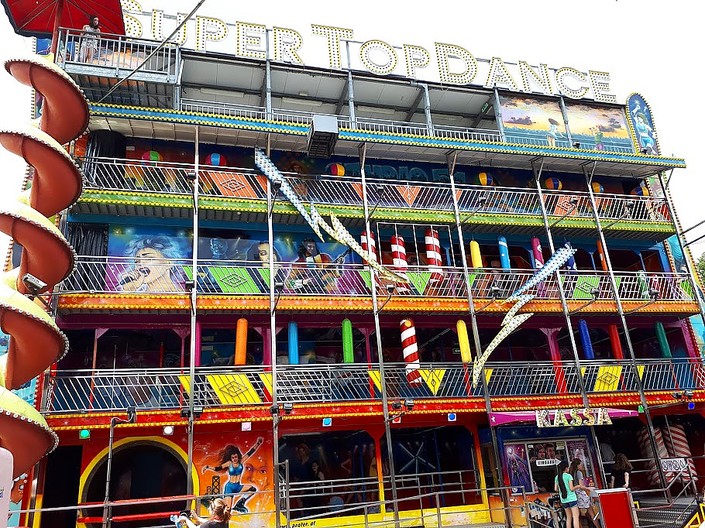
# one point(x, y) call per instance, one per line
point(185, 382)
point(374, 376)
point(266, 378)
point(488, 374)
point(640, 370)
point(233, 389)
point(433, 378)
point(608, 378)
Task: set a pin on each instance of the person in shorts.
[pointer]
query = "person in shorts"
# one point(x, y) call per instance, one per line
point(566, 488)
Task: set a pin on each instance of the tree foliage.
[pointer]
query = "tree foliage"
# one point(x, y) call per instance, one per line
point(701, 267)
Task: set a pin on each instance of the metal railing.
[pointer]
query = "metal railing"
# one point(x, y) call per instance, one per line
point(239, 183)
point(245, 111)
point(214, 387)
point(127, 275)
point(130, 276)
point(564, 143)
point(118, 53)
point(423, 509)
point(534, 378)
point(316, 499)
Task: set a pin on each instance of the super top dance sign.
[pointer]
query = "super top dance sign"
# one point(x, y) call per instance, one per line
point(336, 48)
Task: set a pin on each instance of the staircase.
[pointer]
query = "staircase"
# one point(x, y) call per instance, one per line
point(658, 513)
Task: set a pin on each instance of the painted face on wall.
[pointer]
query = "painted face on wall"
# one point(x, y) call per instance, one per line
point(151, 263)
point(219, 247)
point(258, 473)
point(263, 252)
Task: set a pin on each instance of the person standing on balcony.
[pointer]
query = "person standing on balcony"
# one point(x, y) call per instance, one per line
point(89, 39)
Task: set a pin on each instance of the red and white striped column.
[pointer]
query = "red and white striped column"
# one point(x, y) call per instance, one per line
point(367, 241)
point(399, 262)
point(677, 446)
point(433, 255)
point(411, 351)
point(648, 453)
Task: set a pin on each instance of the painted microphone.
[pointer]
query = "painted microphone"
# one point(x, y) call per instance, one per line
point(133, 276)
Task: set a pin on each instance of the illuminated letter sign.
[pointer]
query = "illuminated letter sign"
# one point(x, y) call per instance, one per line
point(572, 417)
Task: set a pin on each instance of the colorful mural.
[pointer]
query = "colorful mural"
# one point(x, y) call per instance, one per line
point(600, 128)
point(533, 121)
point(518, 467)
point(149, 255)
point(641, 119)
point(235, 464)
point(303, 265)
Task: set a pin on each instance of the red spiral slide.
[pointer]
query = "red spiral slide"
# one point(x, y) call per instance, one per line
point(35, 340)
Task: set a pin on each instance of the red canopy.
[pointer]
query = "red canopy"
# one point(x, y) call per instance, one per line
point(39, 18)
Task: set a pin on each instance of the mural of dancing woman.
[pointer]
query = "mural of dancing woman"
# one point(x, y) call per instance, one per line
point(232, 460)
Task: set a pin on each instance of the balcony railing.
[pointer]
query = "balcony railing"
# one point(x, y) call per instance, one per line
point(163, 177)
point(168, 389)
point(118, 53)
point(246, 111)
point(131, 276)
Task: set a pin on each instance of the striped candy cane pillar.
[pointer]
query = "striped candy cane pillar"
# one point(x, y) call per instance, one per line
point(677, 446)
point(411, 351)
point(433, 255)
point(368, 244)
point(399, 262)
point(648, 453)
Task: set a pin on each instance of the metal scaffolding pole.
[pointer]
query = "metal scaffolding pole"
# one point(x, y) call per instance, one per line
point(625, 327)
point(378, 338)
point(561, 291)
point(451, 161)
point(273, 300)
point(192, 310)
point(679, 237)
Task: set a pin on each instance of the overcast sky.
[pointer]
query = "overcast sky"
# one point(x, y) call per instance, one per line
point(648, 46)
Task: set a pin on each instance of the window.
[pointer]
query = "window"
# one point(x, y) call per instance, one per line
point(532, 464)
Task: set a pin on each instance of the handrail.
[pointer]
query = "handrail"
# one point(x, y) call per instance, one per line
point(118, 53)
point(667, 489)
point(123, 275)
point(368, 507)
point(89, 390)
point(474, 201)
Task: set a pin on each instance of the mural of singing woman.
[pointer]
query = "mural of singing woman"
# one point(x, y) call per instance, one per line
point(232, 460)
point(154, 269)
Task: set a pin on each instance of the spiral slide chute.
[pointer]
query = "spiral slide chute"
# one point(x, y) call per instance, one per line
point(23, 432)
point(46, 253)
point(35, 340)
point(65, 115)
point(53, 168)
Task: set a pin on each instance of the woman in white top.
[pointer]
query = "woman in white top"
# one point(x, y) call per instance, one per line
point(89, 40)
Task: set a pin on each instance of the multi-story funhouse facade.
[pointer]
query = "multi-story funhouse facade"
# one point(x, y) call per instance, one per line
point(250, 356)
